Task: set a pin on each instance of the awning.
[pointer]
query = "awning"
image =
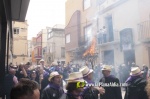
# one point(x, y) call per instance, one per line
point(19, 9)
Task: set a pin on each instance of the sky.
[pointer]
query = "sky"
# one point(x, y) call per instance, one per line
point(43, 13)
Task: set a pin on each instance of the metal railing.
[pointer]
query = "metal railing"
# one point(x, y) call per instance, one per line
point(107, 39)
point(144, 31)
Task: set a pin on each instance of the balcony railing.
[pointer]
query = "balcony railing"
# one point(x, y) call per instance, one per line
point(107, 39)
point(144, 31)
point(105, 5)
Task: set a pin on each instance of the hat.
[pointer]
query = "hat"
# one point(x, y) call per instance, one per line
point(42, 60)
point(75, 77)
point(85, 71)
point(135, 71)
point(106, 67)
point(13, 68)
point(53, 74)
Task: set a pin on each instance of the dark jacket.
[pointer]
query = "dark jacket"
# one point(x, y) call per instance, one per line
point(111, 92)
point(52, 92)
point(136, 88)
point(89, 92)
point(68, 96)
point(8, 83)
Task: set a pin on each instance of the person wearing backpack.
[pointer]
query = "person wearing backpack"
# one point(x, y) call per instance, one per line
point(136, 85)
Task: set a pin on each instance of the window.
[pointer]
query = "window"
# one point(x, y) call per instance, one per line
point(68, 38)
point(49, 30)
point(86, 4)
point(62, 52)
point(50, 34)
point(16, 30)
point(88, 33)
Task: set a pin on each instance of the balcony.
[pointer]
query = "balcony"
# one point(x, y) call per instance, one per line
point(106, 5)
point(107, 39)
point(144, 31)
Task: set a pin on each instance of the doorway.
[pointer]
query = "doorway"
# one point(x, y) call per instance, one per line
point(109, 57)
point(129, 57)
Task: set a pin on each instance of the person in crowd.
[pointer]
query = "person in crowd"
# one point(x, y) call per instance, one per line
point(42, 77)
point(74, 87)
point(110, 91)
point(113, 71)
point(136, 85)
point(100, 37)
point(42, 63)
point(123, 73)
point(65, 72)
point(26, 67)
point(59, 69)
point(25, 89)
point(145, 69)
point(53, 67)
point(75, 69)
point(147, 88)
point(53, 89)
point(33, 76)
point(104, 32)
point(21, 73)
point(90, 92)
point(10, 81)
point(97, 72)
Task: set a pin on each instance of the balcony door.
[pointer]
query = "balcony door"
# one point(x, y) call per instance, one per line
point(110, 35)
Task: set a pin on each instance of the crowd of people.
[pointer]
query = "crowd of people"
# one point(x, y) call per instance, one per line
point(75, 82)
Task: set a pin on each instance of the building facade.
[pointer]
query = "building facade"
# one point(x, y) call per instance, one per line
point(33, 43)
point(20, 42)
point(80, 28)
point(55, 51)
point(125, 34)
point(40, 44)
point(121, 28)
point(30, 51)
point(8, 13)
point(144, 32)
